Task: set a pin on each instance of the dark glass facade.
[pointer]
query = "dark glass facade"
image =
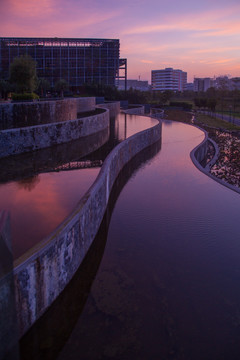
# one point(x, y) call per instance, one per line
point(78, 61)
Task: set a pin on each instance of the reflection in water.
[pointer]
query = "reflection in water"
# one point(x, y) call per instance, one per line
point(38, 207)
point(168, 283)
point(46, 338)
point(28, 183)
point(27, 165)
point(40, 189)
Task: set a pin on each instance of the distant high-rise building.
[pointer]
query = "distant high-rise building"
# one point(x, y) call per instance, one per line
point(169, 79)
point(78, 61)
point(190, 87)
point(235, 83)
point(224, 82)
point(202, 84)
point(134, 84)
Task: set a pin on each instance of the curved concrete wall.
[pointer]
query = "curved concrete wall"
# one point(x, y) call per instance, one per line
point(20, 140)
point(113, 107)
point(85, 104)
point(215, 157)
point(197, 155)
point(139, 109)
point(8, 319)
point(201, 150)
point(157, 113)
point(42, 273)
point(33, 163)
point(41, 112)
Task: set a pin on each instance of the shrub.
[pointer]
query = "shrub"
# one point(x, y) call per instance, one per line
point(23, 74)
point(181, 104)
point(24, 96)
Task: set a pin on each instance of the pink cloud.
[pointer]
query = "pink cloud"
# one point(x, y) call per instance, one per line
point(146, 61)
point(199, 22)
point(50, 18)
point(31, 8)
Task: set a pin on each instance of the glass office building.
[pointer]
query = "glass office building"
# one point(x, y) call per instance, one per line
point(78, 61)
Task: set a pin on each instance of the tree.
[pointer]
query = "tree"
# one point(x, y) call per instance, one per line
point(211, 92)
point(23, 73)
point(211, 104)
point(197, 102)
point(166, 96)
point(5, 88)
point(60, 86)
point(42, 86)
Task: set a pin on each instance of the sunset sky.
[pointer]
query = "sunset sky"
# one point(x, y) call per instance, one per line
point(200, 37)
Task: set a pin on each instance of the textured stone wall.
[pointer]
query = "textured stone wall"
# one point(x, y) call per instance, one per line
point(20, 140)
point(139, 109)
point(8, 319)
point(43, 272)
point(40, 112)
point(201, 151)
point(85, 104)
point(32, 163)
point(113, 107)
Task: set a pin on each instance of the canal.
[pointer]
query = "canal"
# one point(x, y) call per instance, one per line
point(41, 189)
point(162, 280)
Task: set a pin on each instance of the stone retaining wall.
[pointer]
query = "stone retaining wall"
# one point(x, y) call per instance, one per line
point(113, 107)
point(20, 140)
point(33, 163)
point(85, 104)
point(8, 319)
point(157, 113)
point(12, 114)
point(201, 150)
point(138, 110)
point(197, 155)
point(44, 271)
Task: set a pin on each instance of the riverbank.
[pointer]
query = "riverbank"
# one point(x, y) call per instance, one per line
point(227, 137)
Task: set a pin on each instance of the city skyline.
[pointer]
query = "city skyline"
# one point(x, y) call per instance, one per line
point(201, 39)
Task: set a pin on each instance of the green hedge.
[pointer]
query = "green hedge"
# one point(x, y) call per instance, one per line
point(182, 104)
point(24, 96)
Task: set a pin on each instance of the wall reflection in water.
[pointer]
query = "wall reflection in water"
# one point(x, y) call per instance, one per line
point(46, 338)
point(40, 189)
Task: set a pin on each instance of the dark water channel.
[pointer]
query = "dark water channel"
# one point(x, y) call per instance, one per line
point(40, 189)
point(162, 280)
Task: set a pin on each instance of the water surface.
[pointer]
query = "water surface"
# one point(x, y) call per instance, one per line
point(168, 286)
point(39, 195)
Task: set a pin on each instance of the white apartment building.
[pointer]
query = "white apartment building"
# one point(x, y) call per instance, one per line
point(169, 79)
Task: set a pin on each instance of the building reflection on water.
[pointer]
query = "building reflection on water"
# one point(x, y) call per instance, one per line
point(40, 189)
point(46, 338)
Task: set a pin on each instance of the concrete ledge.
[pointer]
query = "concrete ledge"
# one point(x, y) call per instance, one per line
point(137, 109)
point(214, 159)
point(43, 272)
point(113, 107)
point(48, 159)
point(157, 113)
point(21, 140)
point(8, 319)
point(42, 112)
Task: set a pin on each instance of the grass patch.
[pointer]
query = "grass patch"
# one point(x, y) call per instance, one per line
point(232, 114)
point(213, 122)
